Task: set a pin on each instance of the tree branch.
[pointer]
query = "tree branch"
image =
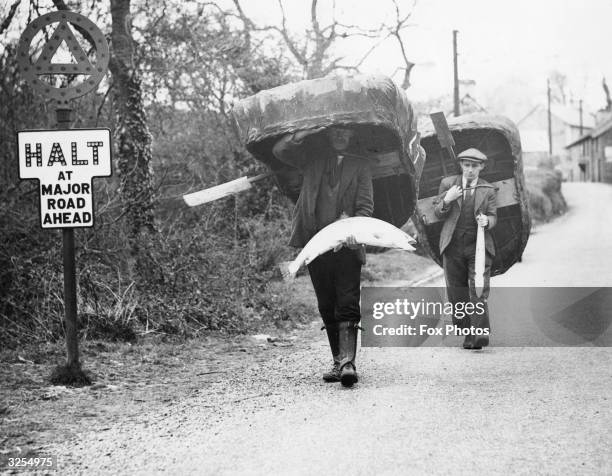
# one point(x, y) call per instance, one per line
point(367, 32)
point(400, 24)
point(7, 21)
point(313, 18)
point(299, 56)
point(99, 111)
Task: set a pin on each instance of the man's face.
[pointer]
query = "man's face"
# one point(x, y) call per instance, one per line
point(340, 138)
point(471, 169)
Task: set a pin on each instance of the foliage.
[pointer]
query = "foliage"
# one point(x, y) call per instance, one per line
point(211, 274)
point(545, 199)
point(208, 269)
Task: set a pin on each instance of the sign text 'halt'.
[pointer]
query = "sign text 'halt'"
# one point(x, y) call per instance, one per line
point(65, 162)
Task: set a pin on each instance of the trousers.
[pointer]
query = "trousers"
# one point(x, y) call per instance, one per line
point(336, 278)
point(459, 262)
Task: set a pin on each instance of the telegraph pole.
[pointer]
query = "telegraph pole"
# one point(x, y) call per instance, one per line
point(549, 119)
point(581, 122)
point(456, 76)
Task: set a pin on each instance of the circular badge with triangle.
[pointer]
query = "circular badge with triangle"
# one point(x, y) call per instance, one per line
point(50, 62)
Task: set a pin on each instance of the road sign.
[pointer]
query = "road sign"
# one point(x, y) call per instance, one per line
point(65, 162)
point(32, 68)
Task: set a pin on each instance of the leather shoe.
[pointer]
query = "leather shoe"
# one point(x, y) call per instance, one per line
point(470, 346)
point(348, 375)
point(481, 341)
point(475, 342)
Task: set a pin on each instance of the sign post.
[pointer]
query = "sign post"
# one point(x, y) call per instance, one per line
point(65, 160)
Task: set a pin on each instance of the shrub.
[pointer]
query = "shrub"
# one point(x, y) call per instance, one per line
point(208, 270)
point(544, 194)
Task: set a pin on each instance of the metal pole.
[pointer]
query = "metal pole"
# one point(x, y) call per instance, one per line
point(456, 76)
point(63, 116)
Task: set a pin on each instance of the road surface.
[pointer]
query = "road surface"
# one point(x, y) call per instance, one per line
point(429, 410)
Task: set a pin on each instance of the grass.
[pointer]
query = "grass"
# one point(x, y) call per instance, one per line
point(395, 265)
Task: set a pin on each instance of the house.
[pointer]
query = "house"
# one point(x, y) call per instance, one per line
point(591, 155)
point(565, 128)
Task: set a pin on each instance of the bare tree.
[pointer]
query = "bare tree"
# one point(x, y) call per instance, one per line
point(203, 62)
point(312, 51)
point(9, 17)
point(607, 93)
point(558, 84)
point(401, 23)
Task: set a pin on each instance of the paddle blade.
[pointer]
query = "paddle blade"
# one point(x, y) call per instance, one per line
point(215, 193)
point(479, 264)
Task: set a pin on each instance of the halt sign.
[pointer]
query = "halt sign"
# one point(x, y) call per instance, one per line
point(65, 163)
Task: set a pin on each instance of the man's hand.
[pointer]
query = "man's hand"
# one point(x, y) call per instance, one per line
point(351, 243)
point(452, 194)
point(482, 220)
point(301, 135)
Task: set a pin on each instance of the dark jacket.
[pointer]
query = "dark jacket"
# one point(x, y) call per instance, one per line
point(485, 201)
point(355, 188)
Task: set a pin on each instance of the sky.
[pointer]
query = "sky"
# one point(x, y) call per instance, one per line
point(507, 47)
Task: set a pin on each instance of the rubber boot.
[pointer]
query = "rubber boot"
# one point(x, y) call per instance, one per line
point(347, 336)
point(333, 375)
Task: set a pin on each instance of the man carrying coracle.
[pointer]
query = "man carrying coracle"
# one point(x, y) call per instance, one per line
point(336, 184)
point(466, 202)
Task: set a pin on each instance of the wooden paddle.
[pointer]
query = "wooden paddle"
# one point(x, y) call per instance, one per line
point(220, 191)
point(445, 137)
point(479, 266)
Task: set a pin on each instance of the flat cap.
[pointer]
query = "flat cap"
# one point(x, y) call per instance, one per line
point(472, 154)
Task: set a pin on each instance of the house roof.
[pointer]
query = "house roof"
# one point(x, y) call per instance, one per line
point(593, 134)
point(568, 114)
point(602, 128)
point(571, 115)
point(578, 141)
